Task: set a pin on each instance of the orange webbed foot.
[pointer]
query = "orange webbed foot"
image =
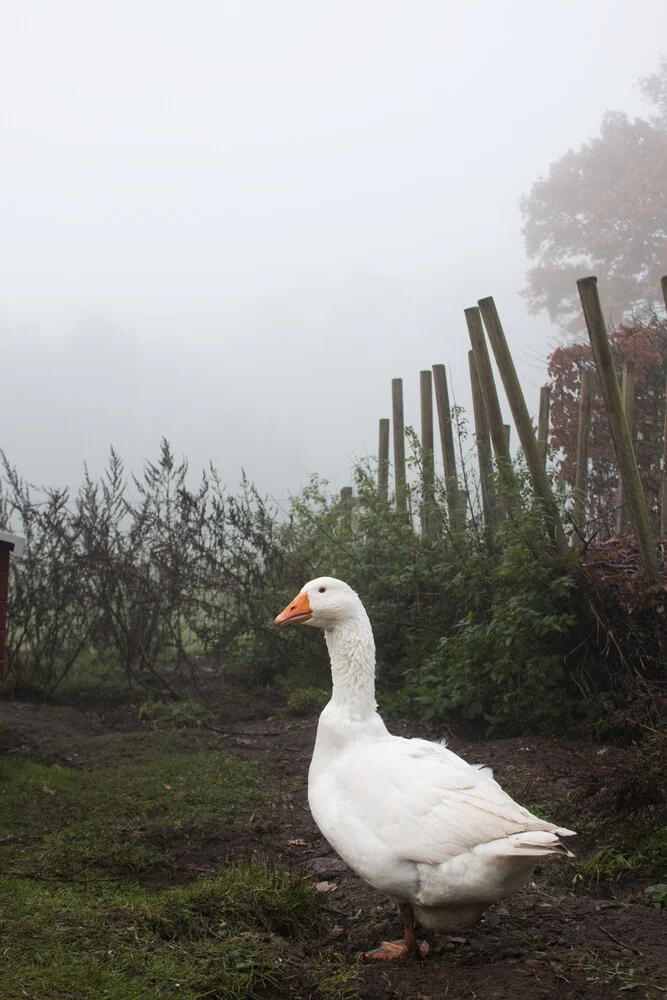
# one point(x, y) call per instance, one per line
point(399, 949)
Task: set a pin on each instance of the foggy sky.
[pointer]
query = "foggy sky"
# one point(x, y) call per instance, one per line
point(232, 223)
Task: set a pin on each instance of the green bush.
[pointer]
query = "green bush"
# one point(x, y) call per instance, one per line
point(504, 659)
point(470, 619)
point(307, 700)
point(465, 624)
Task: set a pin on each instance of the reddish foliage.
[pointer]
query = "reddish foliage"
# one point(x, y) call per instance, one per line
point(645, 343)
point(614, 566)
point(622, 659)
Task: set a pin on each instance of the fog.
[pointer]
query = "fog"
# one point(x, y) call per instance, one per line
point(232, 223)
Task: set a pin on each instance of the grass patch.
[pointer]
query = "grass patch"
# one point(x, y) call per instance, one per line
point(335, 979)
point(225, 937)
point(641, 857)
point(163, 714)
point(8, 738)
point(81, 919)
point(123, 820)
point(626, 977)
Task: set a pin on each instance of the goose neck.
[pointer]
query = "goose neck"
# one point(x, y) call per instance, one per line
point(352, 654)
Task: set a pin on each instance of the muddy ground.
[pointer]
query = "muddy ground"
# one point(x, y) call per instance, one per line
point(561, 937)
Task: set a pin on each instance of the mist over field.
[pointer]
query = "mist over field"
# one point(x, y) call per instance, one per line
point(232, 224)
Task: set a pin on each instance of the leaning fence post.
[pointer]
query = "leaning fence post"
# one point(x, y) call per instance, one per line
point(583, 444)
point(663, 512)
point(522, 421)
point(454, 497)
point(346, 502)
point(611, 393)
point(489, 394)
point(383, 457)
point(628, 396)
point(543, 421)
point(508, 436)
point(428, 476)
point(399, 442)
point(483, 443)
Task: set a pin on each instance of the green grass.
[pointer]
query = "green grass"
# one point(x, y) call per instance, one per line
point(224, 937)
point(82, 916)
point(120, 820)
point(641, 855)
point(626, 977)
point(162, 714)
point(8, 737)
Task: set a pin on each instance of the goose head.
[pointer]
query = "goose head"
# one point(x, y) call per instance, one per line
point(324, 602)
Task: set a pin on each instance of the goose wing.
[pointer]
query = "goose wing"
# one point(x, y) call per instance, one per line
point(424, 803)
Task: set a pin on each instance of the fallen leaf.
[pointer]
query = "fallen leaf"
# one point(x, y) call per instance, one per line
point(326, 886)
point(49, 791)
point(168, 787)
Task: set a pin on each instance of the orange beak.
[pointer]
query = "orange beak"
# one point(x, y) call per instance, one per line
point(298, 611)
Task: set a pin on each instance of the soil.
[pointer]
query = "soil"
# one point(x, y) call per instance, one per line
point(555, 939)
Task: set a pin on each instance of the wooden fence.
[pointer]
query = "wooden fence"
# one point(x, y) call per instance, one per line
point(492, 436)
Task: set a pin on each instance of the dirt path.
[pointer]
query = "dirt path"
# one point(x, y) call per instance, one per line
point(554, 939)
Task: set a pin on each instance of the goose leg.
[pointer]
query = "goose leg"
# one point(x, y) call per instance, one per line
point(409, 947)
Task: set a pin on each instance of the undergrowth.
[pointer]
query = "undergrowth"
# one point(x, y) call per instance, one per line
point(637, 853)
point(168, 593)
point(162, 713)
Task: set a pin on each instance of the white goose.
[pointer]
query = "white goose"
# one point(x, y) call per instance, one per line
point(437, 834)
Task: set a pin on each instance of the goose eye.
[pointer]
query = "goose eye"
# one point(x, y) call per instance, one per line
point(322, 590)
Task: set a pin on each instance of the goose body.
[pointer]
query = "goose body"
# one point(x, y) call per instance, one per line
point(436, 834)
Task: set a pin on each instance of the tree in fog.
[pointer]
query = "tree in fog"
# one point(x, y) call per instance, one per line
point(602, 210)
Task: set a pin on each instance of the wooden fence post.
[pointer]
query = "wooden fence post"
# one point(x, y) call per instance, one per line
point(663, 509)
point(4, 597)
point(454, 497)
point(346, 502)
point(399, 442)
point(383, 457)
point(628, 396)
point(543, 421)
point(487, 383)
point(522, 420)
point(428, 474)
point(583, 444)
point(611, 393)
point(483, 443)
